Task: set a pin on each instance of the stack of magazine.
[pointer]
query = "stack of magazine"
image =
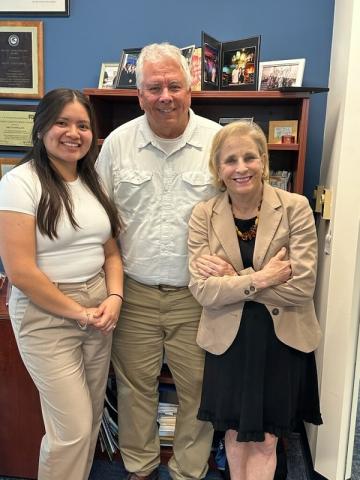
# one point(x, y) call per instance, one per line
point(280, 179)
point(167, 410)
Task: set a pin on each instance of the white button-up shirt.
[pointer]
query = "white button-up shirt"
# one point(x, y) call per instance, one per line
point(154, 193)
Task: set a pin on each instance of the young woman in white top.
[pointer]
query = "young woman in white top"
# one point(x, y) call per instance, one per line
point(58, 247)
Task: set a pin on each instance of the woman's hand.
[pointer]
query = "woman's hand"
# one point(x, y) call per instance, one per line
point(107, 314)
point(275, 272)
point(213, 266)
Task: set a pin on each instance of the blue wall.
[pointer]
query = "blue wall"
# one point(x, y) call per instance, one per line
point(97, 31)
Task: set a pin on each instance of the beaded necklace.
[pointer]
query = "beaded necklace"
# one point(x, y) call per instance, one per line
point(251, 233)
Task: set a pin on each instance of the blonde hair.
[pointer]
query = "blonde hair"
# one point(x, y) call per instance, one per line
point(157, 52)
point(240, 129)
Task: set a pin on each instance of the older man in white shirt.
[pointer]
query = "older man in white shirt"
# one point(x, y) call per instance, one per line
point(156, 169)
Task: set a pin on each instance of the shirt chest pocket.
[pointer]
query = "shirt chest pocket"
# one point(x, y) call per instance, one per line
point(134, 191)
point(196, 186)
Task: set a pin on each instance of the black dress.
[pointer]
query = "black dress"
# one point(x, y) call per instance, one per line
point(259, 384)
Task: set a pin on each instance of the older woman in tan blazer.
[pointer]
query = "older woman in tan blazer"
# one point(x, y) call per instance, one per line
point(253, 254)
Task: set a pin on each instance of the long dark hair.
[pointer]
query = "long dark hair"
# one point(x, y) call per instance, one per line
point(55, 194)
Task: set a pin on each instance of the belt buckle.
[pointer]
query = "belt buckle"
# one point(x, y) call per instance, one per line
point(167, 288)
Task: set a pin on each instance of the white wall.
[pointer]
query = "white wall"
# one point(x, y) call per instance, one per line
point(337, 296)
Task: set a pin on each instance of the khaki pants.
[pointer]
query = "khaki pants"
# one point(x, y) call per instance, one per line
point(69, 367)
point(152, 321)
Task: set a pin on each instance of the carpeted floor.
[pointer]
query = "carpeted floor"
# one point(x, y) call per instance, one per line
point(105, 470)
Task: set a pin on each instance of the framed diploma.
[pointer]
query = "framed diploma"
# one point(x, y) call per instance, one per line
point(21, 59)
point(16, 123)
point(35, 7)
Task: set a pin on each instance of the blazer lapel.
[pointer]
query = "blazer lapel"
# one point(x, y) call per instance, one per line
point(224, 228)
point(269, 218)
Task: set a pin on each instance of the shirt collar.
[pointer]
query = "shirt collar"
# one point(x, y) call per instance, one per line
point(190, 136)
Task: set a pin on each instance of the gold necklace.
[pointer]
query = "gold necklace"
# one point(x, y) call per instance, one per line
point(251, 233)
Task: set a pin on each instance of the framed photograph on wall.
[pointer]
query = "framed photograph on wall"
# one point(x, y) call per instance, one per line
point(35, 7)
point(21, 59)
point(280, 128)
point(210, 62)
point(126, 77)
point(108, 74)
point(240, 64)
point(281, 73)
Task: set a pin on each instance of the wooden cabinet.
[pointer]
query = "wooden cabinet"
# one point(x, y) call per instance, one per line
point(115, 107)
point(21, 425)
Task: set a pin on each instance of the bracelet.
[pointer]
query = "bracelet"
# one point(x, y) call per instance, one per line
point(83, 326)
point(117, 295)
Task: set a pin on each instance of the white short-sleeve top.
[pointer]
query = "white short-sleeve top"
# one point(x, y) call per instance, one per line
point(77, 254)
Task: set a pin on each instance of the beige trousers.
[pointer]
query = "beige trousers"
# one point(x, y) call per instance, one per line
point(150, 323)
point(69, 367)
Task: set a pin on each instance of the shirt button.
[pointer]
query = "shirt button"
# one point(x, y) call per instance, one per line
point(246, 292)
point(275, 311)
point(252, 288)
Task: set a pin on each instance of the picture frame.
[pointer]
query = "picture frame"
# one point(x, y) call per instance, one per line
point(34, 7)
point(16, 123)
point(7, 163)
point(187, 52)
point(210, 62)
point(226, 120)
point(108, 73)
point(240, 64)
point(281, 73)
point(22, 59)
point(126, 77)
point(195, 70)
point(278, 128)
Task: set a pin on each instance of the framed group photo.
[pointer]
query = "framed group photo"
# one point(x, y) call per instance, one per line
point(281, 73)
point(126, 77)
point(21, 59)
point(108, 74)
point(35, 7)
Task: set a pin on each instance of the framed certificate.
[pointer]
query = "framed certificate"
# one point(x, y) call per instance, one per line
point(16, 123)
point(21, 59)
point(35, 7)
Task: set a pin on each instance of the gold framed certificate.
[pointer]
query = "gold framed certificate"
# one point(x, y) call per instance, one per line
point(16, 123)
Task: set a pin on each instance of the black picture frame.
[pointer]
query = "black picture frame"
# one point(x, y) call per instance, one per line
point(210, 62)
point(126, 77)
point(58, 8)
point(240, 64)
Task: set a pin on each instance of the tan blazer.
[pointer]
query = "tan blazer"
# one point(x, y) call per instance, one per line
point(285, 220)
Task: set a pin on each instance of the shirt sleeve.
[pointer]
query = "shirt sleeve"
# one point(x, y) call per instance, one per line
point(18, 192)
point(104, 168)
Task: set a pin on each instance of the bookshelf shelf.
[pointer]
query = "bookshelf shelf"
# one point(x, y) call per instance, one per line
point(113, 107)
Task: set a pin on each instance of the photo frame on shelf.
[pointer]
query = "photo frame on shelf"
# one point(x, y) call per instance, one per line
point(7, 163)
point(16, 123)
point(280, 128)
point(240, 64)
point(22, 59)
point(226, 120)
point(187, 52)
point(126, 77)
point(195, 70)
point(281, 73)
point(36, 7)
point(108, 74)
point(210, 62)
